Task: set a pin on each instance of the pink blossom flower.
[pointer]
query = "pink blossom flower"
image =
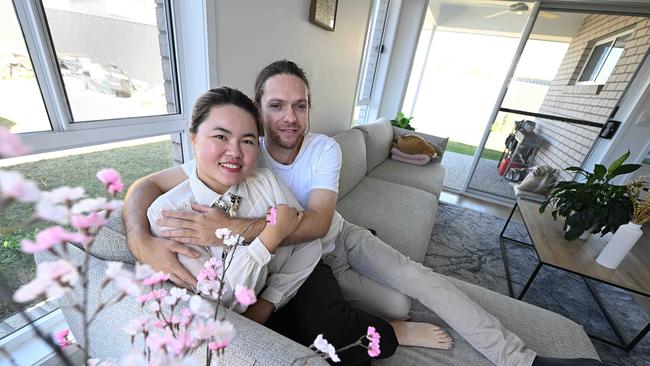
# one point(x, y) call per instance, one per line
point(244, 295)
point(10, 144)
point(111, 179)
point(61, 338)
point(179, 344)
point(14, 185)
point(50, 237)
point(144, 298)
point(176, 294)
point(204, 330)
point(52, 279)
point(272, 219)
point(128, 286)
point(94, 220)
point(224, 334)
point(373, 347)
point(159, 294)
point(156, 341)
point(156, 278)
point(136, 326)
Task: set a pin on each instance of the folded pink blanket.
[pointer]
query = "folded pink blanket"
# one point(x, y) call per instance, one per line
point(415, 159)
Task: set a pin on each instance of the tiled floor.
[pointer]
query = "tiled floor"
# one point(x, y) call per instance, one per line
point(478, 205)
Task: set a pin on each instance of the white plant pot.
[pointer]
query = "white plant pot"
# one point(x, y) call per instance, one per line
point(619, 245)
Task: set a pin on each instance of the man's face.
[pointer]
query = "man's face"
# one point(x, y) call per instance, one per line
point(285, 110)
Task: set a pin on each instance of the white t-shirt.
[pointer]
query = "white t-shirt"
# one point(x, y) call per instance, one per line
point(317, 166)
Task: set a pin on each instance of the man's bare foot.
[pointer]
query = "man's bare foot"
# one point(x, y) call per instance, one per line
point(421, 335)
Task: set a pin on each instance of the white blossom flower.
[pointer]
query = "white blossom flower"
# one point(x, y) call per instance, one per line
point(14, 185)
point(200, 307)
point(53, 212)
point(222, 233)
point(63, 194)
point(143, 271)
point(89, 205)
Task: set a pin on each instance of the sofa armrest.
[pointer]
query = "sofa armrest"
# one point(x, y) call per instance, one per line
point(254, 344)
point(441, 142)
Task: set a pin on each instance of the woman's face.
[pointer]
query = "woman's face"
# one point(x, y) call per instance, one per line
point(226, 147)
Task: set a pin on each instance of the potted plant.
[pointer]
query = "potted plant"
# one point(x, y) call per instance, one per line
point(402, 122)
point(593, 204)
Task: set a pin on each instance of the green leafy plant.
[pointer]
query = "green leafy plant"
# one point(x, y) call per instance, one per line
point(402, 122)
point(593, 203)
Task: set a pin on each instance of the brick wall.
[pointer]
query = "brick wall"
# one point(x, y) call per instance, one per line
point(566, 144)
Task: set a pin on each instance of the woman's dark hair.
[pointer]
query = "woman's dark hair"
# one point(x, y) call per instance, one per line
point(279, 68)
point(223, 96)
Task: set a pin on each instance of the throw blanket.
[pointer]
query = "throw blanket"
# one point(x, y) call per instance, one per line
point(416, 159)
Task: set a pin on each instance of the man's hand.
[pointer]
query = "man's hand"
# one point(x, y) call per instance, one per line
point(195, 227)
point(161, 255)
point(260, 311)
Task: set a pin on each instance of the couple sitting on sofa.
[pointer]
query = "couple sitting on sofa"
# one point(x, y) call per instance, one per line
point(225, 134)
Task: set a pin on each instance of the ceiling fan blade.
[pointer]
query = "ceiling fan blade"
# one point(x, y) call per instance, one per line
point(548, 14)
point(497, 14)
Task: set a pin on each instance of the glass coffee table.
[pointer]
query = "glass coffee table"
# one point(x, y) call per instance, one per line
point(579, 257)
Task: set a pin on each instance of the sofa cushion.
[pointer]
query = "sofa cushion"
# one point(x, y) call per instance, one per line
point(379, 138)
point(438, 141)
point(403, 216)
point(427, 177)
point(353, 156)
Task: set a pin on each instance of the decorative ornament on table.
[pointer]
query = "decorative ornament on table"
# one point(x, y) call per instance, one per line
point(627, 235)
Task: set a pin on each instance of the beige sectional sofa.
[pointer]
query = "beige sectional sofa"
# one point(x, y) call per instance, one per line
point(399, 201)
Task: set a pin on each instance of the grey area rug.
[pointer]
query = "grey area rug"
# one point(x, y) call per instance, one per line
point(465, 245)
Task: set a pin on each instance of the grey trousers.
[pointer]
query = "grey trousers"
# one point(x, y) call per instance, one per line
point(377, 278)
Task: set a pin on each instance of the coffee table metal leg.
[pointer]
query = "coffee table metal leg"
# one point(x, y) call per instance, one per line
point(612, 325)
point(514, 208)
point(506, 266)
point(530, 280)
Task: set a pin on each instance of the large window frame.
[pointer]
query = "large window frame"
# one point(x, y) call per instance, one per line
point(65, 132)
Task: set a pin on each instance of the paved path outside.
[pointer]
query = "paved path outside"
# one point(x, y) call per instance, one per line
point(485, 179)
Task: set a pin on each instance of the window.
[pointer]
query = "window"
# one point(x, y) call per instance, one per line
point(114, 62)
point(603, 59)
point(69, 69)
point(372, 53)
point(26, 112)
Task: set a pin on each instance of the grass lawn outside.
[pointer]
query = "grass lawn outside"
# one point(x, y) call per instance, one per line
point(132, 162)
point(465, 149)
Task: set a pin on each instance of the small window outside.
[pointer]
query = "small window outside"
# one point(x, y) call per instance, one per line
point(603, 59)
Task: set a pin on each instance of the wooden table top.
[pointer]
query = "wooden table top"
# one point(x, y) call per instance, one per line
point(579, 256)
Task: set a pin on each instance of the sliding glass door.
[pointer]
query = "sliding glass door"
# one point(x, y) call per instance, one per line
point(571, 75)
point(463, 57)
point(517, 84)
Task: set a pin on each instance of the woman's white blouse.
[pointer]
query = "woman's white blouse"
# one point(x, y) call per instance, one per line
point(277, 276)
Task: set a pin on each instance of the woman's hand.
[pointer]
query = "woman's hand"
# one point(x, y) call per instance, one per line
point(287, 220)
point(196, 227)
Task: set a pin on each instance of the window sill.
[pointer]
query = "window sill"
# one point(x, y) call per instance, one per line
point(583, 89)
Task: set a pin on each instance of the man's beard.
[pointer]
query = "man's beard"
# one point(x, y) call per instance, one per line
point(275, 137)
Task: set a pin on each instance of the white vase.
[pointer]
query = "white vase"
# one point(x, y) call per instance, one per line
point(619, 245)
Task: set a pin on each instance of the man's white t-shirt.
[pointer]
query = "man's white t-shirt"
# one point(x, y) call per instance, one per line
point(317, 166)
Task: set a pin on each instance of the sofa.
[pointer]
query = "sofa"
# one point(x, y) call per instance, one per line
point(397, 200)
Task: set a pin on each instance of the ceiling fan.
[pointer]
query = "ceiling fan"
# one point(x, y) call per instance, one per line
point(520, 8)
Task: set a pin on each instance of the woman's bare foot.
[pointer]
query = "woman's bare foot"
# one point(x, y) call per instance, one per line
point(421, 335)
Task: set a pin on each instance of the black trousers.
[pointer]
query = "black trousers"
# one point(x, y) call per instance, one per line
point(319, 308)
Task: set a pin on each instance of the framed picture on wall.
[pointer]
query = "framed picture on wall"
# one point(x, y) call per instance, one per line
point(323, 13)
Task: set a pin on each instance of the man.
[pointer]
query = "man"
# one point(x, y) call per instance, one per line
point(309, 165)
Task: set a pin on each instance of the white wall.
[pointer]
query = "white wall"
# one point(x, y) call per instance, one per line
point(251, 34)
